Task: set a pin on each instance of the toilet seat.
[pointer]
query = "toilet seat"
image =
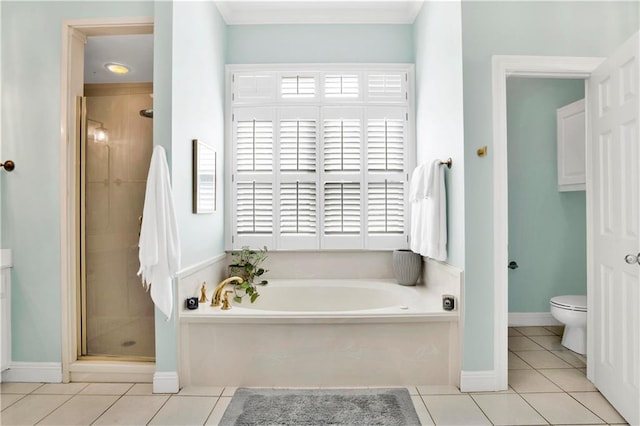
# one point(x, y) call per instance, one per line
point(570, 303)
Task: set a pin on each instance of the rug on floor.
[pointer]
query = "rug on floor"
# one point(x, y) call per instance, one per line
point(320, 407)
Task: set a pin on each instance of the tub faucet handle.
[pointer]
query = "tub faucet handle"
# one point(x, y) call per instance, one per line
point(225, 300)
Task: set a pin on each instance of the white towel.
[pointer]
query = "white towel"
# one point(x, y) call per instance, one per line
point(428, 231)
point(418, 184)
point(159, 244)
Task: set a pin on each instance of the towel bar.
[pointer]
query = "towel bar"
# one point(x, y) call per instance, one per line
point(448, 162)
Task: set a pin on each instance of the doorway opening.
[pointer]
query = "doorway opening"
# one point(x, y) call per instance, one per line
point(107, 318)
point(547, 215)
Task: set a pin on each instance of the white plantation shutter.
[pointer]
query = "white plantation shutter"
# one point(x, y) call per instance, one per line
point(298, 86)
point(342, 208)
point(342, 86)
point(342, 140)
point(298, 139)
point(386, 139)
point(385, 207)
point(320, 159)
point(387, 86)
point(253, 87)
point(298, 208)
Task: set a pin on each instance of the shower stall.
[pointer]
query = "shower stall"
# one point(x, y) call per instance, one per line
point(117, 315)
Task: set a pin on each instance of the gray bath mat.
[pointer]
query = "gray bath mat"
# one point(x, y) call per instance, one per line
point(319, 407)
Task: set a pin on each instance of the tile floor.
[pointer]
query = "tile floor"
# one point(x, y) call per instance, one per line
point(547, 385)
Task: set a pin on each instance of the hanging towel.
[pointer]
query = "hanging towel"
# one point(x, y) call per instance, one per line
point(159, 244)
point(428, 231)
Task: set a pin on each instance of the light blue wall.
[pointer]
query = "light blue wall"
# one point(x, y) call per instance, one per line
point(249, 44)
point(512, 28)
point(198, 37)
point(439, 122)
point(547, 228)
point(31, 49)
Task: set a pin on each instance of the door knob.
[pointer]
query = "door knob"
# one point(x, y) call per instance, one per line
point(513, 265)
point(632, 258)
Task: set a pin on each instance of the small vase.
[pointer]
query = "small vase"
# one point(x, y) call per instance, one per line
point(406, 266)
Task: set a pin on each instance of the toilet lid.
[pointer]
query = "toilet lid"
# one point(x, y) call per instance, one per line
point(574, 303)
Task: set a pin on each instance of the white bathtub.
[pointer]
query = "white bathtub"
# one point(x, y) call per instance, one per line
point(323, 333)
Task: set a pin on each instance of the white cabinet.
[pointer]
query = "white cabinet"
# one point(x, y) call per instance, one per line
point(5, 309)
point(571, 147)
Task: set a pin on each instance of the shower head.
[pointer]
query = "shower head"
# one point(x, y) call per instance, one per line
point(147, 112)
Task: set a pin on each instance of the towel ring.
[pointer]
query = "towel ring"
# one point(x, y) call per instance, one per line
point(8, 165)
point(448, 162)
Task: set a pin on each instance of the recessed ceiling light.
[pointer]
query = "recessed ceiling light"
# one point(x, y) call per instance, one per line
point(117, 68)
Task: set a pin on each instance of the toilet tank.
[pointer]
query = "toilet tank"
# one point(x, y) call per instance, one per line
point(5, 309)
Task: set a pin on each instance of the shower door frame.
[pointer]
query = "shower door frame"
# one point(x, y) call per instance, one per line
point(74, 34)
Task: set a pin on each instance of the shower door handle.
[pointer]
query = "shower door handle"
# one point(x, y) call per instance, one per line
point(513, 265)
point(632, 258)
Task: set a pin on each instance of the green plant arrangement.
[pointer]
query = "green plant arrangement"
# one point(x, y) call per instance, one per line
point(246, 264)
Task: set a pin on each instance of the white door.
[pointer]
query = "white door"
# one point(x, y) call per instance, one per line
point(614, 294)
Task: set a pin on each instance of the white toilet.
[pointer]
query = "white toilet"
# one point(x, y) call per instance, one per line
point(572, 312)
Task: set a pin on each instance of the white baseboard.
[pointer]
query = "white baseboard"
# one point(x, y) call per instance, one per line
point(47, 372)
point(529, 319)
point(478, 381)
point(166, 382)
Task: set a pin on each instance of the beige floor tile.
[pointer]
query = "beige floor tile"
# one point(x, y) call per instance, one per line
point(534, 331)
point(80, 410)
point(570, 357)
point(508, 409)
point(229, 391)
point(31, 409)
point(561, 408)
point(421, 411)
point(555, 329)
point(598, 404)
point(454, 410)
point(201, 391)
point(132, 410)
point(185, 410)
point(530, 381)
point(523, 343)
point(508, 390)
point(438, 390)
point(513, 332)
point(16, 387)
point(516, 363)
point(60, 389)
point(551, 343)
point(106, 389)
point(141, 389)
point(8, 399)
point(218, 410)
point(570, 380)
point(542, 359)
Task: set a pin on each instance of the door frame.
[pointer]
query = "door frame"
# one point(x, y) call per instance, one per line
point(71, 79)
point(504, 66)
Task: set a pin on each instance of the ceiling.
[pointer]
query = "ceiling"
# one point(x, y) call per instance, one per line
point(238, 12)
point(136, 51)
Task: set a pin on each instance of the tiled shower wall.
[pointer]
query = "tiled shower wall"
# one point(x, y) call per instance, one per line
point(119, 313)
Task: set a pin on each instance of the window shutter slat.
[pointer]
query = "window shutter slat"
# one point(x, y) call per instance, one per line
point(342, 86)
point(298, 208)
point(385, 142)
point(297, 86)
point(389, 86)
point(253, 87)
point(342, 145)
point(385, 208)
point(254, 146)
point(342, 208)
point(254, 208)
point(298, 145)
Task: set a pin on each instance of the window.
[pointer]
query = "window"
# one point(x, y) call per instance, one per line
point(319, 157)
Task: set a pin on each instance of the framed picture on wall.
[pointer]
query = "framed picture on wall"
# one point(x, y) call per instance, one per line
point(204, 178)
